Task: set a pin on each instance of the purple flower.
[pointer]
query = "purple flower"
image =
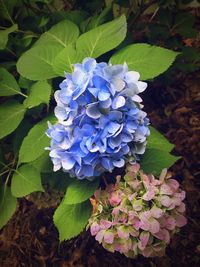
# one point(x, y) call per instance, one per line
point(100, 121)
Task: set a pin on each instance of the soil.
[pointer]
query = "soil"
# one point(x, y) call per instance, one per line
point(30, 238)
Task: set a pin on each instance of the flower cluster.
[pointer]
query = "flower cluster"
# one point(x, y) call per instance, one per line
point(100, 120)
point(138, 215)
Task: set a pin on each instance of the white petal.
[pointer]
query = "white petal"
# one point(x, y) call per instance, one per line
point(132, 76)
point(118, 102)
point(118, 84)
point(137, 98)
point(141, 86)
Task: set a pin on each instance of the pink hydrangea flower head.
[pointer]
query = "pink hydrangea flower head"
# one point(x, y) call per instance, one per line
point(139, 214)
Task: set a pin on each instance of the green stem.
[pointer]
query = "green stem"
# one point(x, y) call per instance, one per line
point(34, 34)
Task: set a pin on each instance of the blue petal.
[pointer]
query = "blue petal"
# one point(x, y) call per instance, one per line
point(119, 163)
point(114, 141)
point(105, 104)
point(92, 111)
point(78, 77)
point(131, 126)
point(113, 127)
point(126, 137)
point(94, 91)
point(103, 95)
point(86, 171)
point(60, 113)
point(89, 64)
point(98, 82)
point(115, 115)
point(107, 164)
point(58, 136)
point(115, 70)
point(68, 163)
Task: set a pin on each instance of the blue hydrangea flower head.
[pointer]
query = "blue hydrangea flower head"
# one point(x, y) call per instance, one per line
point(100, 121)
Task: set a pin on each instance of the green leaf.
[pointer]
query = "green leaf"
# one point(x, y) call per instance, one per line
point(25, 83)
point(26, 180)
point(45, 50)
point(6, 9)
point(149, 61)
point(99, 19)
point(21, 131)
point(155, 160)
point(62, 34)
point(156, 139)
point(103, 38)
point(80, 190)
point(43, 163)
point(40, 92)
point(57, 180)
point(34, 143)
point(70, 220)
point(8, 84)
point(8, 204)
point(184, 25)
point(41, 58)
point(64, 60)
point(157, 155)
point(11, 114)
point(4, 36)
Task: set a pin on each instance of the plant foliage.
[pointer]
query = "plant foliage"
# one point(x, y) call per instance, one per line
point(37, 47)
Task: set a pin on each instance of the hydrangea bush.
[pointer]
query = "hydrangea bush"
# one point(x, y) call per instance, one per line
point(138, 215)
point(100, 121)
point(99, 127)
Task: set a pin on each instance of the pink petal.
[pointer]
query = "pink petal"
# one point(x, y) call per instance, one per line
point(122, 232)
point(154, 226)
point(180, 220)
point(181, 208)
point(176, 200)
point(165, 200)
point(131, 215)
point(133, 232)
point(156, 212)
point(182, 195)
point(100, 235)
point(104, 224)
point(134, 168)
point(114, 199)
point(144, 238)
point(170, 223)
point(136, 223)
point(147, 252)
point(149, 195)
point(116, 211)
point(165, 190)
point(134, 184)
point(94, 229)
point(108, 237)
point(163, 235)
point(146, 179)
point(173, 184)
